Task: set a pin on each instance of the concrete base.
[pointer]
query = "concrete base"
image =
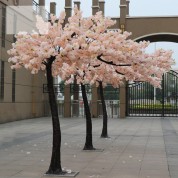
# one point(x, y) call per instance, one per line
point(66, 174)
point(96, 150)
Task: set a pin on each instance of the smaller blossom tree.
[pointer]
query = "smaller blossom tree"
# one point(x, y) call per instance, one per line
point(117, 59)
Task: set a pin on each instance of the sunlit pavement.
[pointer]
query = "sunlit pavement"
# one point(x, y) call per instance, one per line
point(138, 148)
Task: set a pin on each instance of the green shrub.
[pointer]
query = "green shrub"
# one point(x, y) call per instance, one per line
point(151, 106)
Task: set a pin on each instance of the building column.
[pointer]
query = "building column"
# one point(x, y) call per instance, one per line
point(75, 103)
point(41, 2)
point(123, 13)
point(95, 94)
point(95, 6)
point(42, 8)
point(77, 3)
point(53, 8)
point(123, 100)
point(33, 97)
point(102, 6)
point(67, 92)
point(68, 9)
point(128, 2)
point(67, 101)
point(95, 102)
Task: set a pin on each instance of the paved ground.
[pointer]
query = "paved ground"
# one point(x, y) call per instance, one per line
point(138, 148)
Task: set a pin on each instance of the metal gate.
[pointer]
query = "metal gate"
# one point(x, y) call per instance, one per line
point(145, 100)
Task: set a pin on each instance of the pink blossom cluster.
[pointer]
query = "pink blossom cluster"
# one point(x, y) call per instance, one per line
point(85, 48)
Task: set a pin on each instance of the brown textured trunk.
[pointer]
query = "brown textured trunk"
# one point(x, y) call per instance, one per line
point(55, 165)
point(88, 141)
point(104, 133)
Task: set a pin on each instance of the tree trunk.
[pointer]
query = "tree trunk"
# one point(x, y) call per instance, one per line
point(104, 133)
point(55, 165)
point(88, 141)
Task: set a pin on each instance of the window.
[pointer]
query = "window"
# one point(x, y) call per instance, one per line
point(3, 26)
point(1, 80)
point(13, 85)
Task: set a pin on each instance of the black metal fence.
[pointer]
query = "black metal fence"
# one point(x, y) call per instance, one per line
point(145, 100)
point(77, 107)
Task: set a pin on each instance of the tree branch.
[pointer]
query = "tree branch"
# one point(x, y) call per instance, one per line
point(119, 72)
point(96, 66)
point(50, 60)
point(111, 62)
point(44, 63)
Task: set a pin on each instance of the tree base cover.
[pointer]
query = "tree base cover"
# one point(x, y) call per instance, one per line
point(104, 136)
point(62, 174)
point(89, 148)
point(94, 150)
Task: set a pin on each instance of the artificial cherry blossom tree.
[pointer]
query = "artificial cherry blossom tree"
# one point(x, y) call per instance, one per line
point(69, 73)
point(115, 77)
point(43, 50)
point(79, 47)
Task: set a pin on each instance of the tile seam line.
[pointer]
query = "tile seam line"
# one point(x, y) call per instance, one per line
point(127, 143)
point(145, 147)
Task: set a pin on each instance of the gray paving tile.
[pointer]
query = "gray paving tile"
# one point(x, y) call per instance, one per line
point(138, 148)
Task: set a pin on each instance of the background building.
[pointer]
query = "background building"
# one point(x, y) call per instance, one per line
point(21, 93)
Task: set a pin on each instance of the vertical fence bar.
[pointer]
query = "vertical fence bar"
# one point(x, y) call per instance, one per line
point(127, 99)
point(176, 95)
point(163, 96)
